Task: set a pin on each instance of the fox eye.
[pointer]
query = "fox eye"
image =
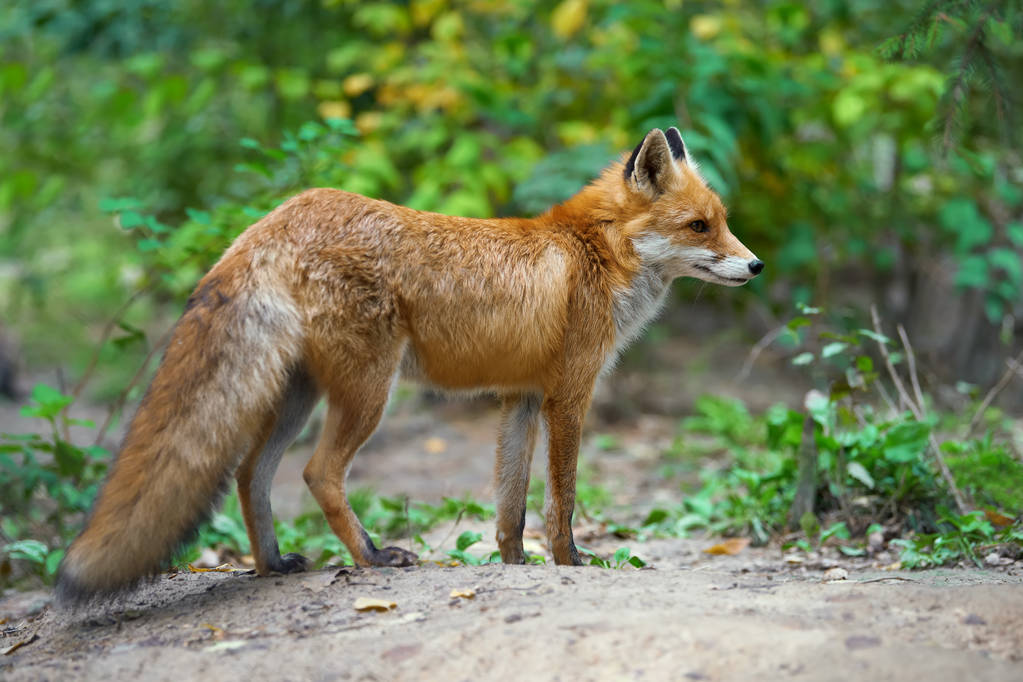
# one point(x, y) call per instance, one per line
point(698, 226)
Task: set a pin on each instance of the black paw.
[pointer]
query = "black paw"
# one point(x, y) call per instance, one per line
point(290, 563)
point(569, 557)
point(393, 556)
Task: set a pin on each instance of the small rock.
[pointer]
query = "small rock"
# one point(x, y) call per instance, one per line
point(857, 642)
point(208, 558)
point(974, 619)
point(836, 573)
point(995, 559)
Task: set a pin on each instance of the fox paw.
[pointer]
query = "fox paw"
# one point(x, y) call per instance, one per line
point(290, 563)
point(393, 556)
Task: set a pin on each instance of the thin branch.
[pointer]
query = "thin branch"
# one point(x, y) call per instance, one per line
point(917, 408)
point(900, 388)
point(1015, 367)
point(108, 329)
point(911, 361)
point(756, 350)
point(123, 397)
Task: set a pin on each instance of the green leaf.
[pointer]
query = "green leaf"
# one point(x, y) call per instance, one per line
point(833, 349)
point(906, 442)
point(201, 217)
point(29, 550)
point(467, 540)
point(804, 358)
point(53, 560)
point(973, 272)
point(656, 515)
point(797, 322)
point(1014, 230)
point(130, 219)
point(880, 338)
point(860, 473)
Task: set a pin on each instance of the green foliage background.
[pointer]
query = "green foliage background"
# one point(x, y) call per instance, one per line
point(829, 133)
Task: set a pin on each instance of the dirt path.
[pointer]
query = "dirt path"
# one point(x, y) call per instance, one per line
point(691, 616)
point(688, 616)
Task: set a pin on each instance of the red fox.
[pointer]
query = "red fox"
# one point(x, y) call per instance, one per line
point(334, 294)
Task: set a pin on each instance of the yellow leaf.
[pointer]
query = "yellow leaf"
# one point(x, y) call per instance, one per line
point(568, 17)
point(357, 83)
point(465, 593)
point(370, 604)
point(730, 546)
point(334, 109)
point(705, 26)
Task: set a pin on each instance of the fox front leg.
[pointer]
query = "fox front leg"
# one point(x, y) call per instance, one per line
point(564, 428)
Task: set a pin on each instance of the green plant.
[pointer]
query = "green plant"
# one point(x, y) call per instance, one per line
point(958, 536)
point(869, 460)
point(46, 484)
point(308, 534)
point(620, 559)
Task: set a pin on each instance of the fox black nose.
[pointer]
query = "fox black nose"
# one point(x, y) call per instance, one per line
point(756, 266)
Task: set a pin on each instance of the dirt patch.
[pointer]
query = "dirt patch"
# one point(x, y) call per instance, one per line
point(690, 616)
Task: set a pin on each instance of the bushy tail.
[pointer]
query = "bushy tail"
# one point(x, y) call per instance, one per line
point(223, 372)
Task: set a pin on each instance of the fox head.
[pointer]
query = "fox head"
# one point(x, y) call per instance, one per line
point(681, 227)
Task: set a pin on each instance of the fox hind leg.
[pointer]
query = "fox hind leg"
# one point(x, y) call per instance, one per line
point(516, 441)
point(355, 405)
point(256, 473)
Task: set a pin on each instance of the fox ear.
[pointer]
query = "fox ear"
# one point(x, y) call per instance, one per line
point(650, 165)
point(678, 147)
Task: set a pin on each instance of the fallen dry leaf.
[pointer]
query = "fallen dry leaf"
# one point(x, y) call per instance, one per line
point(998, 520)
point(793, 559)
point(731, 546)
point(222, 568)
point(370, 604)
point(435, 446)
point(464, 593)
point(14, 647)
point(218, 633)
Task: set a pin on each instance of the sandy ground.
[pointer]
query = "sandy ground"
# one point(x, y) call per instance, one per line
point(687, 616)
point(690, 616)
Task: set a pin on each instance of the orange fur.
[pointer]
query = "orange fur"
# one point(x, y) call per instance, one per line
point(331, 293)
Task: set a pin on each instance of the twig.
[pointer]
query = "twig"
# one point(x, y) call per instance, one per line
point(911, 362)
point(107, 331)
point(904, 398)
point(123, 397)
point(451, 532)
point(887, 398)
point(1014, 368)
point(916, 408)
point(756, 350)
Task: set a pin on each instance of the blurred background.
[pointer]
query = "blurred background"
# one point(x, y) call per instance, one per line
point(867, 150)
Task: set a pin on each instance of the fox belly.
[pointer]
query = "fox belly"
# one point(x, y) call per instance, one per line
point(499, 330)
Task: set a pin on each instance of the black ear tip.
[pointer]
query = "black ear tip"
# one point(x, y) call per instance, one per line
point(630, 165)
point(678, 147)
